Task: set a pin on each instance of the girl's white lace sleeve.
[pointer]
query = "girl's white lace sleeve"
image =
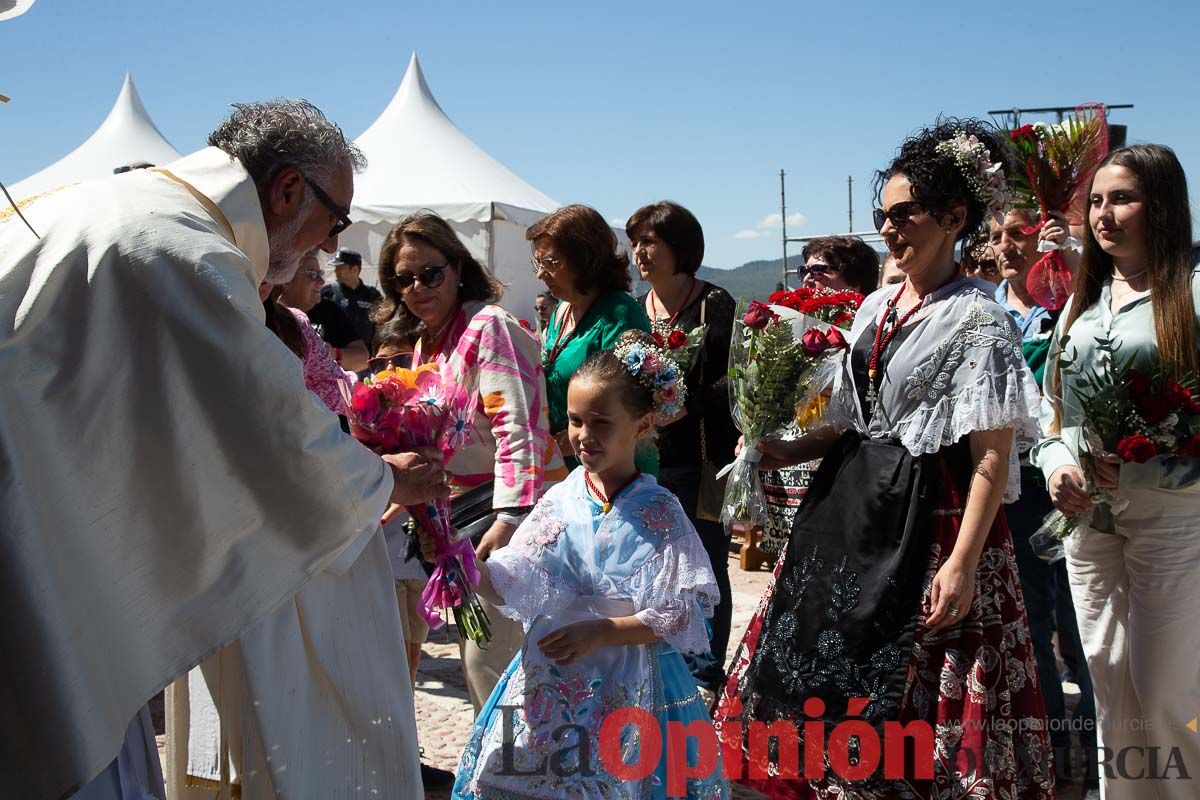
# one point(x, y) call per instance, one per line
point(676, 590)
point(528, 590)
point(519, 571)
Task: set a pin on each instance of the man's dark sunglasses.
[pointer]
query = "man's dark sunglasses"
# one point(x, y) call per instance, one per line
point(900, 214)
point(343, 221)
point(430, 277)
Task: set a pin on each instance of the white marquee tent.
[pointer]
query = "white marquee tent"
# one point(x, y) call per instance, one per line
point(417, 159)
point(126, 135)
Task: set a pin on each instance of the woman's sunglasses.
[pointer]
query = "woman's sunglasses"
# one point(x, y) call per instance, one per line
point(430, 277)
point(821, 269)
point(900, 214)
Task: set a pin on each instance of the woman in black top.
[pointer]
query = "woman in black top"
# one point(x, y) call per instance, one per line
point(668, 245)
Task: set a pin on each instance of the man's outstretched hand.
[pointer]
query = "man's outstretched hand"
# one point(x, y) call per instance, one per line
point(419, 476)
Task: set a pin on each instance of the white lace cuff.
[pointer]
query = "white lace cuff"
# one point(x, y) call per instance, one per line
point(1009, 400)
point(676, 590)
point(528, 590)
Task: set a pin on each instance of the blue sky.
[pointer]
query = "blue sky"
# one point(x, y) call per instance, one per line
point(617, 104)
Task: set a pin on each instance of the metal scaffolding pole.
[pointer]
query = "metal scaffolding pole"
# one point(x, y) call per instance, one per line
point(783, 223)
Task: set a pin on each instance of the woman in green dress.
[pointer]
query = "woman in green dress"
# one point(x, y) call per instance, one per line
point(577, 256)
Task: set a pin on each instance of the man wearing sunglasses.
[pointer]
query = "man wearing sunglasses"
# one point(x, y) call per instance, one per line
point(172, 490)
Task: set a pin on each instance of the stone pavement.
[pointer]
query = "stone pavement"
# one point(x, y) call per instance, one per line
point(444, 711)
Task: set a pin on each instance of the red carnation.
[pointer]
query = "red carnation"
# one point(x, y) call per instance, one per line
point(1138, 383)
point(658, 339)
point(1178, 396)
point(1152, 408)
point(1136, 448)
point(677, 339)
point(1190, 447)
point(814, 342)
point(776, 297)
point(835, 339)
point(758, 316)
point(1192, 407)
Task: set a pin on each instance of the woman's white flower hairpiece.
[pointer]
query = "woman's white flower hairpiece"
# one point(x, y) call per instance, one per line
point(985, 178)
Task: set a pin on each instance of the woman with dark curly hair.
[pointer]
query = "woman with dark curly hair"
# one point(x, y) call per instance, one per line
point(898, 598)
point(578, 257)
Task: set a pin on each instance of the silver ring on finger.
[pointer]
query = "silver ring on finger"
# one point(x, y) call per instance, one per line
point(953, 611)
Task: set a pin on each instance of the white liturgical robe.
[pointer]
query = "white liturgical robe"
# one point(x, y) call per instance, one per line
point(167, 483)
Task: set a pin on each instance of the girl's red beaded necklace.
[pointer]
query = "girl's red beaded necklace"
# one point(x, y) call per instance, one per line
point(882, 340)
point(606, 502)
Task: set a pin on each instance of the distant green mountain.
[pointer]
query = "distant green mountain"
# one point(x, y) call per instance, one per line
point(754, 280)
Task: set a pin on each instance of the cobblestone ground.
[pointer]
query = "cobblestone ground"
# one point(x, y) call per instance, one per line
point(444, 711)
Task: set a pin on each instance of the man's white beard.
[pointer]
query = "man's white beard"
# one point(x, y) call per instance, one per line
point(285, 258)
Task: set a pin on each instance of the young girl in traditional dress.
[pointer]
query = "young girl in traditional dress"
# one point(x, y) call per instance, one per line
point(899, 585)
point(612, 584)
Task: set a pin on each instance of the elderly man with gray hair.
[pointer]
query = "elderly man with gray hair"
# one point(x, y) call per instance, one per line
point(171, 489)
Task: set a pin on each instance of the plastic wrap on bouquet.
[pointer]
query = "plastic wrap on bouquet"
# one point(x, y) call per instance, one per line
point(432, 405)
point(780, 362)
point(1058, 162)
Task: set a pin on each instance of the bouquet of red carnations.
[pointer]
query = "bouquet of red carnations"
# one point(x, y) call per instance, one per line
point(1058, 163)
point(399, 410)
point(1133, 414)
point(775, 367)
point(832, 306)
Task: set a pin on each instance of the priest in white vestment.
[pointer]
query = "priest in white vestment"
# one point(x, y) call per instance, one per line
point(168, 485)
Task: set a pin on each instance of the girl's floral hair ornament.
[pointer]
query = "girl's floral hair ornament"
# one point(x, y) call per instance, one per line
point(657, 370)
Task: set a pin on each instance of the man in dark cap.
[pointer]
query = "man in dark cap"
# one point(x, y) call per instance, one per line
point(351, 295)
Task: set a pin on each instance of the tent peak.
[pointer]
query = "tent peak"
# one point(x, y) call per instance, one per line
point(414, 87)
point(126, 134)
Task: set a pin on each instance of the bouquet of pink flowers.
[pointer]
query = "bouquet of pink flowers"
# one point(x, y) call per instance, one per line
point(399, 410)
point(774, 362)
point(1133, 414)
